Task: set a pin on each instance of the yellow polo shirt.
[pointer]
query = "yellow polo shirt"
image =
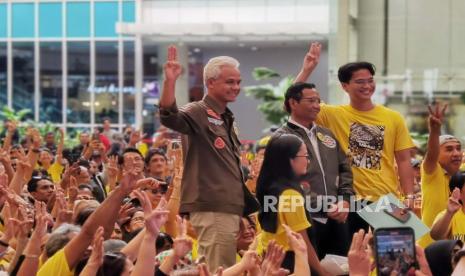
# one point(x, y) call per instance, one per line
point(56, 265)
point(435, 194)
point(457, 225)
point(290, 214)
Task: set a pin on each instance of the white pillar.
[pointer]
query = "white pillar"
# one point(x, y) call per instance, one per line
point(342, 45)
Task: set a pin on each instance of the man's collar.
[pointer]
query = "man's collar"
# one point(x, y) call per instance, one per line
point(214, 105)
point(292, 122)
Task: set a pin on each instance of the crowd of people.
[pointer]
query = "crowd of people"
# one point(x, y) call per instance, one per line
point(195, 201)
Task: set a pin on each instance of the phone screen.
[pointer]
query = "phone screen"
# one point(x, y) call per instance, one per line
point(395, 251)
point(398, 213)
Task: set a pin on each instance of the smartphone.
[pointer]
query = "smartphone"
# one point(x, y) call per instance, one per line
point(395, 251)
point(163, 186)
point(135, 202)
point(401, 214)
point(175, 144)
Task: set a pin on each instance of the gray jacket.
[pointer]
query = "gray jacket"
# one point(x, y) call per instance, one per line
point(337, 171)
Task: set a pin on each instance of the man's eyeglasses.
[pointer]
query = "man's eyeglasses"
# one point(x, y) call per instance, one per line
point(312, 100)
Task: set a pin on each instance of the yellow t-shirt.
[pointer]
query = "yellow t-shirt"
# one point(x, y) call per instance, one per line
point(290, 214)
point(55, 171)
point(56, 265)
point(435, 194)
point(457, 225)
point(370, 139)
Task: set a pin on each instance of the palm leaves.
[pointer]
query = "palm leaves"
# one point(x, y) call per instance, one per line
point(272, 97)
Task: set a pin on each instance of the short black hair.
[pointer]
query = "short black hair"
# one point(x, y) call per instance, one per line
point(295, 92)
point(345, 72)
point(457, 181)
point(155, 152)
point(33, 183)
point(127, 150)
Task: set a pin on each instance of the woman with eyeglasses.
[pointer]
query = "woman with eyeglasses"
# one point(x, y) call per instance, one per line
point(282, 198)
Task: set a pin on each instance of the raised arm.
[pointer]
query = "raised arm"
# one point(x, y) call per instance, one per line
point(436, 117)
point(61, 143)
point(23, 166)
point(310, 62)
point(105, 216)
point(175, 195)
point(172, 70)
point(298, 245)
point(11, 129)
point(30, 265)
point(6, 162)
point(442, 226)
point(154, 220)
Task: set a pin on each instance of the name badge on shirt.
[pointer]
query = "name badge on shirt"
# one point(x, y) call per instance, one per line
point(214, 121)
point(327, 140)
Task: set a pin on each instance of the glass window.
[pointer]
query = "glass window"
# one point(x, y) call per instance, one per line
point(23, 77)
point(129, 89)
point(106, 81)
point(129, 12)
point(78, 108)
point(50, 20)
point(3, 91)
point(78, 19)
point(106, 16)
point(23, 19)
point(50, 82)
point(3, 18)
point(150, 88)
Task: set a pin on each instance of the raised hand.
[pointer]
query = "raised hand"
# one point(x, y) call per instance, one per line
point(36, 138)
point(157, 217)
point(148, 183)
point(182, 244)
point(11, 126)
point(62, 135)
point(312, 57)
point(96, 257)
point(274, 257)
point(112, 167)
point(203, 270)
point(172, 68)
point(129, 181)
point(296, 241)
point(72, 189)
point(5, 157)
point(42, 221)
point(359, 254)
point(123, 214)
point(454, 201)
point(422, 262)
point(436, 116)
